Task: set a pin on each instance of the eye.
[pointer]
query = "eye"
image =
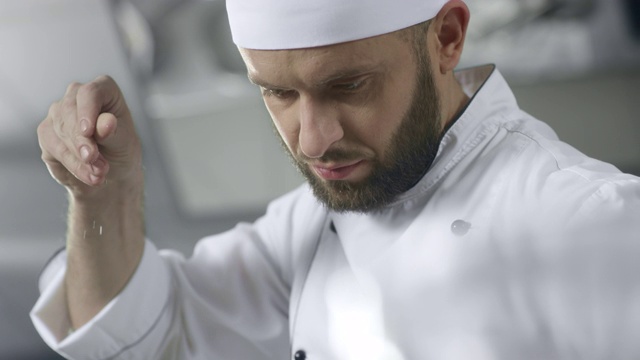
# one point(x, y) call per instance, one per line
point(278, 93)
point(350, 86)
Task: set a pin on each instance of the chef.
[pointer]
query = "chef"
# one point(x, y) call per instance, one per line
point(438, 221)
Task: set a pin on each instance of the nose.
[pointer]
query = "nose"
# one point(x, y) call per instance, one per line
point(320, 127)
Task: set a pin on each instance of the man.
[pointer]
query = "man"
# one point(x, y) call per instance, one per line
point(439, 220)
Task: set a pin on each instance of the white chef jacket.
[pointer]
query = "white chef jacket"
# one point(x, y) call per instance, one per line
point(514, 245)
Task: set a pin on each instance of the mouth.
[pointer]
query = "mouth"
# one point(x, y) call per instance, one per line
point(338, 171)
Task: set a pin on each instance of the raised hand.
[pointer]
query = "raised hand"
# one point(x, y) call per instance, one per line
point(88, 138)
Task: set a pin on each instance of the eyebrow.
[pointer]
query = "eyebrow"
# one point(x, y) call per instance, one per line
point(258, 82)
point(348, 74)
point(337, 76)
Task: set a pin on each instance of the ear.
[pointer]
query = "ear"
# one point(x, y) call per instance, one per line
point(450, 28)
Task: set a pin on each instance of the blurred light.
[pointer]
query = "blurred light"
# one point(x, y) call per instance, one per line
point(356, 318)
point(538, 40)
point(45, 45)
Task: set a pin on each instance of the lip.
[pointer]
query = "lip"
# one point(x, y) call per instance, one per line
point(338, 172)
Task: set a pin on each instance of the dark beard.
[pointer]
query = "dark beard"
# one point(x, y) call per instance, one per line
point(413, 148)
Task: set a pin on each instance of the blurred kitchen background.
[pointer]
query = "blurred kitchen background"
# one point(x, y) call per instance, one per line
point(211, 157)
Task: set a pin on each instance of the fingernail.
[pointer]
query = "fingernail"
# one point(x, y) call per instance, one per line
point(84, 125)
point(99, 163)
point(84, 152)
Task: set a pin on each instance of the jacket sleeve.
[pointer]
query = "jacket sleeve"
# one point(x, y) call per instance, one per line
point(147, 296)
point(230, 300)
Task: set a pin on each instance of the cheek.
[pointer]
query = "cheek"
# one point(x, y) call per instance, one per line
point(376, 125)
point(286, 126)
point(398, 102)
point(384, 110)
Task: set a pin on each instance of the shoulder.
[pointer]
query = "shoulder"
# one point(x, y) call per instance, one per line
point(556, 163)
point(546, 175)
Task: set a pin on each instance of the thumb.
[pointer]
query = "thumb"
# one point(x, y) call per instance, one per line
point(115, 136)
point(119, 146)
point(107, 130)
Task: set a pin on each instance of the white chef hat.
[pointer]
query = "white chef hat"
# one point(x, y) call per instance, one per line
point(292, 24)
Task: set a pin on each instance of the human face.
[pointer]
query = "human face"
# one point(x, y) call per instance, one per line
point(360, 120)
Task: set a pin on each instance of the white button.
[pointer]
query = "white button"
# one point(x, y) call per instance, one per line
point(460, 227)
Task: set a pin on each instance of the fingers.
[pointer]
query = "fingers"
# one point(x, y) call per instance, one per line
point(79, 127)
point(64, 164)
point(69, 142)
point(92, 99)
point(63, 117)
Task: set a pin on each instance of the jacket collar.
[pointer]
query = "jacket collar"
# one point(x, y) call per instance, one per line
point(490, 97)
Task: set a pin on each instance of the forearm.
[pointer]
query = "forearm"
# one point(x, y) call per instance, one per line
point(105, 242)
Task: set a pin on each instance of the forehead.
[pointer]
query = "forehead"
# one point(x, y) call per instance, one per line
point(321, 63)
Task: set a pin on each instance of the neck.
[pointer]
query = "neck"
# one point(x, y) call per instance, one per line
point(453, 100)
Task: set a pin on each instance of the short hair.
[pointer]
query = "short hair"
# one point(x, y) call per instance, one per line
point(416, 36)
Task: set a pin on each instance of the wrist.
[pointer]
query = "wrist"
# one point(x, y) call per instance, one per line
point(109, 191)
point(112, 210)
